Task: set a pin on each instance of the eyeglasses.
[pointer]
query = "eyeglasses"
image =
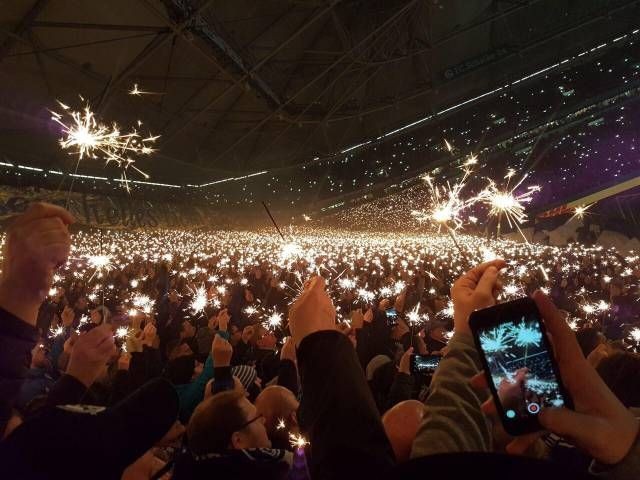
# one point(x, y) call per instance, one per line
point(246, 424)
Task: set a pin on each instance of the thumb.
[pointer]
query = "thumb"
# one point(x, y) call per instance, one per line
point(565, 422)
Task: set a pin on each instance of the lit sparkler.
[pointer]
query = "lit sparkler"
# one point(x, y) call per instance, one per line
point(506, 202)
point(199, 301)
point(86, 137)
point(56, 332)
point(297, 440)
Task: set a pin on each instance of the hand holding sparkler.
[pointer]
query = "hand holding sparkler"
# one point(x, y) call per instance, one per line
point(600, 424)
point(405, 362)
point(37, 243)
point(149, 334)
point(288, 351)
point(312, 311)
point(90, 354)
point(223, 320)
point(222, 352)
point(247, 333)
point(124, 361)
point(476, 289)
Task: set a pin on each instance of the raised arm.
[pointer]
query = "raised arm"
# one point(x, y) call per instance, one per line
point(337, 410)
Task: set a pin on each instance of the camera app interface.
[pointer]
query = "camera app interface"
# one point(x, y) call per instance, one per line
point(521, 367)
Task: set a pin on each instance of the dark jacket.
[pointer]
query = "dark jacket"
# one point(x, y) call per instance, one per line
point(17, 339)
point(338, 413)
point(263, 464)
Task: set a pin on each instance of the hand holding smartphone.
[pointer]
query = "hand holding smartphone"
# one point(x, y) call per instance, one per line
point(518, 361)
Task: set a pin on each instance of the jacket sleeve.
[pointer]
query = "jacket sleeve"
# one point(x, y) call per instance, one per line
point(66, 391)
point(17, 339)
point(338, 412)
point(145, 366)
point(193, 394)
point(288, 376)
point(453, 421)
point(629, 467)
point(223, 380)
point(120, 387)
point(401, 389)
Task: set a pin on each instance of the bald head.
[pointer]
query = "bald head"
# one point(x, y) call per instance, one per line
point(401, 423)
point(277, 403)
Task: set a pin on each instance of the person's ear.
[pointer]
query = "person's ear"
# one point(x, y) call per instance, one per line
point(294, 418)
point(236, 441)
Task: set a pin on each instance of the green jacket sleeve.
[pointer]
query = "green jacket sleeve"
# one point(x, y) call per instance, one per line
point(453, 421)
point(192, 394)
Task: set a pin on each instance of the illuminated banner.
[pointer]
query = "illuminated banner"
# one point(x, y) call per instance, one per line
point(105, 211)
point(592, 198)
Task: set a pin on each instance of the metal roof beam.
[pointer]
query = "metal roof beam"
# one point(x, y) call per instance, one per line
point(256, 67)
point(390, 21)
point(22, 27)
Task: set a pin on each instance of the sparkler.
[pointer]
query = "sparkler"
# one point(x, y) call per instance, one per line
point(506, 202)
point(86, 137)
point(413, 317)
point(56, 332)
point(281, 425)
point(297, 440)
point(136, 92)
point(121, 332)
point(634, 339)
point(274, 320)
point(581, 210)
point(199, 301)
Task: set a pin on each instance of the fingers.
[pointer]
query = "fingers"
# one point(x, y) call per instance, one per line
point(487, 282)
point(476, 272)
point(479, 381)
point(44, 210)
point(565, 344)
point(566, 423)
point(520, 445)
point(489, 408)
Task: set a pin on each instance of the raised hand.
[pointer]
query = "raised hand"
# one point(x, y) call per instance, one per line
point(149, 334)
point(476, 289)
point(90, 354)
point(600, 424)
point(405, 361)
point(288, 351)
point(37, 243)
point(222, 352)
point(312, 311)
point(223, 320)
point(247, 333)
point(124, 361)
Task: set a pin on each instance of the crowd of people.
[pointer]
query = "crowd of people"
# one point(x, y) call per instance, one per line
point(198, 354)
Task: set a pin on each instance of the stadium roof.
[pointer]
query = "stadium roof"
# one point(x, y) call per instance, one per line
point(238, 86)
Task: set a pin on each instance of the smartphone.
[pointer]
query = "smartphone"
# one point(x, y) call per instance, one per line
point(392, 316)
point(424, 364)
point(518, 361)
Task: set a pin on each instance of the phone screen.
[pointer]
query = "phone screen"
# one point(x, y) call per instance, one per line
point(519, 361)
point(424, 364)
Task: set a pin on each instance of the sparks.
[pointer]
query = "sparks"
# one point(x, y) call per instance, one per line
point(274, 320)
point(86, 137)
point(297, 440)
point(122, 332)
point(506, 202)
point(56, 332)
point(281, 425)
point(199, 301)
